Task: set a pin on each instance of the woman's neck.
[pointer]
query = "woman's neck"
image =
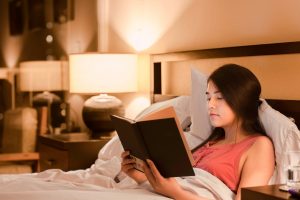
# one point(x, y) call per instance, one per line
point(234, 133)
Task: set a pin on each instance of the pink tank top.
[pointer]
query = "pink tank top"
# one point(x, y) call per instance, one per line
point(223, 161)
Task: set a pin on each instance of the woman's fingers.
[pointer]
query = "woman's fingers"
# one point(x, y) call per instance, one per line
point(127, 167)
point(152, 173)
point(154, 170)
point(127, 162)
point(149, 174)
point(125, 154)
point(126, 158)
point(149, 167)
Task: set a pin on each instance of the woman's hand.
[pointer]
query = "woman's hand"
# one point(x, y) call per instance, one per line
point(127, 166)
point(165, 186)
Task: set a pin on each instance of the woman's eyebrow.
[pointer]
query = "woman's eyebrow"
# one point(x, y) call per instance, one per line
point(216, 92)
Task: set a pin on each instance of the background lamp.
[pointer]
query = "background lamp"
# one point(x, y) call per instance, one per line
point(102, 73)
point(44, 76)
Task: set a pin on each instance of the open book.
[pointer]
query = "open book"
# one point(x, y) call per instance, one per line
point(157, 137)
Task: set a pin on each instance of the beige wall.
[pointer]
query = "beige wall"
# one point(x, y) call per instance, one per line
point(177, 25)
point(160, 26)
point(278, 74)
point(78, 35)
point(157, 26)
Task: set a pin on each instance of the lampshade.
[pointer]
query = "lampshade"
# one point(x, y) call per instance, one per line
point(43, 76)
point(102, 73)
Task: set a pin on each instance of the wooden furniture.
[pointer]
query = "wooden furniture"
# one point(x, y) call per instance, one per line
point(68, 151)
point(18, 148)
point(268, 192)
point(21, 157)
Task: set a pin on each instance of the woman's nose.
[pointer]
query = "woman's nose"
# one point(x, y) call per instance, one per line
point(211, 103)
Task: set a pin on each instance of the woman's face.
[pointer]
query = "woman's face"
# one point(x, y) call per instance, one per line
point(220, 114)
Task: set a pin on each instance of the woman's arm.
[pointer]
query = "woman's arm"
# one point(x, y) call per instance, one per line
point(167, 186)
point(258, 166)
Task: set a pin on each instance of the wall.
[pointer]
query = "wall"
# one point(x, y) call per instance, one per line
point(75, 36)
point(278, 74)
point(160, 26)
point(168, 25)
point(157, 26)
point(10, 47)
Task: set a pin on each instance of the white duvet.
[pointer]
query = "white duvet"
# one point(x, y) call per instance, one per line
point(98, 182)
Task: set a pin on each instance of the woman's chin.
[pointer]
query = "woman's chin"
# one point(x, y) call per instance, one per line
point(215, 123)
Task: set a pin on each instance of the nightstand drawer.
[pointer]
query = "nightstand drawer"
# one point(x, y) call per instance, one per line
point(69, 151)
point(52, 158)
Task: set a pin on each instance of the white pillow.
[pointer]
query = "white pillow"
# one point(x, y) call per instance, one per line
point(284, 134)
point(181, 105)
point(201, 126)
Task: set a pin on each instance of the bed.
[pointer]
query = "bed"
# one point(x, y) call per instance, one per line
point(103, 180)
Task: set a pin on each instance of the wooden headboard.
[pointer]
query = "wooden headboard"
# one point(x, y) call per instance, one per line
point(290, 108)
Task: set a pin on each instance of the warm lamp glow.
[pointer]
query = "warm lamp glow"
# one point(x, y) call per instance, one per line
point(43, 76)
point(13, 47)
point(103, 73)
point(3, 73)
point(142, 23)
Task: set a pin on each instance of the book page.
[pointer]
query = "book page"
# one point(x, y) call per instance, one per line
point(169, 112)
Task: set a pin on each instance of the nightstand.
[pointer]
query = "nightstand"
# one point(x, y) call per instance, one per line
point(70, 151)
point(268, 192)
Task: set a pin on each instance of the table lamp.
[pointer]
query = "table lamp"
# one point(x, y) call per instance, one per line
point(44, 76)
point(98, 73)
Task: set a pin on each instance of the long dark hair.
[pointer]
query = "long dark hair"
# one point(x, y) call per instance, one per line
point(241, 90)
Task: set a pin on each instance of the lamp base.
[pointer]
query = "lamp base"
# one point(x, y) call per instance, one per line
point(96, 113)
point(46, 97)
point(51, 102)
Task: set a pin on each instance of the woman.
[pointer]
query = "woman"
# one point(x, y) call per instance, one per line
point(237, 152)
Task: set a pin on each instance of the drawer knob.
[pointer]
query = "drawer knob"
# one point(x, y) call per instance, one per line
point(50, 162)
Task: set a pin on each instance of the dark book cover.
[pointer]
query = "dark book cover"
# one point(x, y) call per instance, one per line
point(159, 138)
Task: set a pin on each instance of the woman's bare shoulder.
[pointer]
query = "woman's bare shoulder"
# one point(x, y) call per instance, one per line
point(263, 139)
point(261, 144)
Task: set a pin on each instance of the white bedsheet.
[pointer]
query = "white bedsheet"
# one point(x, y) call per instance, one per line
point(97, 183)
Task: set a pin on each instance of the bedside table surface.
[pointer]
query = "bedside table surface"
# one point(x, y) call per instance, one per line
point(69, 139)
point(69, 151)
point(268, 192)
